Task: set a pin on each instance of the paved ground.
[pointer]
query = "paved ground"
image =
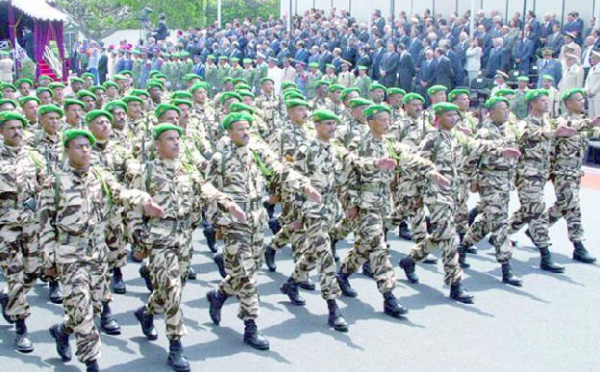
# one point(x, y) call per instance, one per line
point(548, 325)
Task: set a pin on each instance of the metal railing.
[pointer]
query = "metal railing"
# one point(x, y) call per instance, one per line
point(53, 62)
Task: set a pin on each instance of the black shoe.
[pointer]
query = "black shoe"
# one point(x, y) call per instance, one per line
point(270, 258)
point(118, 285)
point(220, 261)
point(108, 324)
point(458, 293)
point(473, 213)
point(335, 319)
point(253, 338)
point(216, 299)
point(308, 285)
point(270, 209)
point(4, 304)
point(491, 240)
point(147, 322)
point(408, 265)
point(176, 359)
point(55, 293)
point(290, 288)
point(391, 306)
point(548, 264)
point(366, 269)
point(61, 338)
point(581, 254)
point(509, 277)
point(274, 226)
point(404, 231)
point(347, 290)
point(92, 366)
point(191, 274)
point(22, 341)
point(145, 274)
point(211, 237)
point(462, 256)
point(430, 259)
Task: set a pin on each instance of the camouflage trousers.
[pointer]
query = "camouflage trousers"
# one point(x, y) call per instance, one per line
point(411, 208)
point(567, 205)
point(19, 260)
point(442, 237)
point(532, 210)
point(289, 233)
point(316, 253)
point(166, 264)
point(243, 254)
point(115, 240)
point(370, 245)
point(83, 288)
point(461, 213)
point(492, 219)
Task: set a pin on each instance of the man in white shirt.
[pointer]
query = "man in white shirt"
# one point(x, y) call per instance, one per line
point(586, 53)
point(275, 73)
point(592, 86)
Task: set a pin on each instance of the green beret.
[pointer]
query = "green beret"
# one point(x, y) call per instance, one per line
point(86, 75)
point(119, 77)
point(322, 82)
point(222, 58)
point(245, 93)
point(239, 107)
point(442, 107)
point(71, 134)
point(377, 109)
point(357, 102)
point(128, 99)
point(547, 77)
point(227, 79)
point(92, 115)
point(436, 88)
point(98, 87)
point(70, 101)
point(294, 102)
point(235, 59)
point(153, 73)
point(189, 77)
point(44, 77)
point(322, 115)
point(288, 84)
point(243, 86)
point(182, 95)
point(56, 85)
point(163, 127)
point(211, 56)
point(7, 100)
point(413, 96)
point(154, 84)
point(200, 85)
point(127, 72)
point(110, 84)
point(505, 92)
point(76, 80)
point(523, 78)
point(457, 93)
point(164, 107)
point(234, 117)
point(24, 100)
point(7, 85)
point(313, 65)
point(160, 75)
point(229, 95)
point(45, 109)
point(11, 115)
point(267, 79)
point(362, 68)
point(374, 86)
point(293, 95)
point(138, 92)
point(493, 101)
point(392, 91)
point(239, 80)
point(112, 105)
point(330, 65)
point(23, 80)
point(86, 93)
point(179, 101)
point(571, 92)
point(41, 90)
point(535, 94)
point(247, 60)
point(346, 91)
point(336, 87)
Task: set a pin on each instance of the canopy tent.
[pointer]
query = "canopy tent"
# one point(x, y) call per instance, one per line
point(45, 21)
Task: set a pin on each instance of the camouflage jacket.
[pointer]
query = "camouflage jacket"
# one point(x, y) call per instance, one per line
point(568, 152)
point(536, 143)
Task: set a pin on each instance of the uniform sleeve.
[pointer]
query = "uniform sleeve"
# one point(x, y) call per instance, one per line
point(290, 177)
point(47, 217)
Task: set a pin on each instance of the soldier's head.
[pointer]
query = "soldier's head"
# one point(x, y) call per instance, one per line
point(325, 123)
point(100, 124)
point(297, 110)
point(118, 109)
point(8, 90)
point(377, 92)
point(357, 108)
point(460, 97)
point(446, 115)
point(166, 113)
point(199, 92)
point(321, 88)
point(30, 106)
point(267, 85)
point(538, 102)
point(349, 94)
point(78, 143)
point(7, 104)
point(395, 97)
point(574, 100)
point(88, 80)
point(58, 91)
point(155, 89)
point(184, 107)
point(24, 86)
point(522, 82)
point(76, 84)
point(378, 117)
point(44, 95)
point(335, 92)
point(498, 109)
point(88, 98)
point(547, 82)
point(167, 140)
point(237, 125)
point(413, 105)
point(11, 128)
point(437, 94)
point(247, 97)
point(73, 111)
point(134, 107)
point(50, 116)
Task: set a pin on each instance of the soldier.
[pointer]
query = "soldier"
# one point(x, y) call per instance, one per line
point(518, 105)
point(118, 110)
point(212, 75)
point(73, 215)
point(73, 114)
point(493, 180)
point(268, 104)
point(58, 90)
point(314, 75)
point(533, 168)
point(236, 171)
point(21, 171)
point(88, 98)
point(566, 169)
point(436, 94)
point(346, 77)
point(394, 100)
point(30, 106)
point(24, 86)
point(553, 95)
point(377, 93)
point(44, 95)
point(363, 81)
point(334, 103)
point(320, 100)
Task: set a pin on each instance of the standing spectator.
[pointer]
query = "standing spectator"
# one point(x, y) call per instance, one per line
point(586, 54)
point(406, 68)
point(7, 67)
point(389, 66)
point(570, 47)
point(499, 59)
point(555, 40)
point(102, 65)
point(574, 26)
point(377, 56)
point(473, 64)
point(592, 85)
point(524, 50)
point(93, 61)
point(573, 76)
point(548, 66)
point(444, 74)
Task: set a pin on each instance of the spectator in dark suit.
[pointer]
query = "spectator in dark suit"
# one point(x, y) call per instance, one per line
point(416, 45)
point(444, 74)
point(425, 76)
point(574, 25)
point(102, 65)
point(532, 21)
point(547, 28)
point(284, 53)
point(524, 50)
point(378, 21)
point(555, 40)
point(301, 53)
point(363, 58)
point(377, 55)
point(588, 31)
point(350, 53)
point(499, 58)
point(389, 66)
point(325, 58)
point(314, 54)
point(406, 68)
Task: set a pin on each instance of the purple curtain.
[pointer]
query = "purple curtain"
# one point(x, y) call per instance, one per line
point(41, 37)
point(60, 42)
point(11, 24)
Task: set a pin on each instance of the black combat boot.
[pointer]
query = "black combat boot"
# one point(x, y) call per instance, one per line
point(366, 269)
point(118, 285)
point(211, 237)
point(219, 260)
point(270, 209)
point(458, 293)
point(336, 320)
point(145, 274)
point(462, 256)
point(308, 284)
point(347, 290)
point(191, 274)
point(581, 254)
point(216, 299)
point(92, 366)
point(61, 337)
point(408, 265)
point(548, 264)
point(253, 338)
point(274, 225)
point(55, 293)
point(108, 324)
point(290, 288)
point(4, 304)
point(473, 213)
point(404, 231)
point(147, 322)
point(270, 258)
point(22, 341)
point(391, 306)
point(509, 277)
point(176, 359)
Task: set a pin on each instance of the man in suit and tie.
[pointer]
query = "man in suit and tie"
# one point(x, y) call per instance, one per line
point(350, 53)
point(377, 56)
point(499, 58)
point(415, 45)
point(524, 50)
point(457, 67)
point(325, 58)
point(555, 40)
point(586, 54)
point(592, 85)
point(314, 54)
point(573, 75)
point(301, 53)
point(532, 21)
point(444, 73)
point(389, 66)
point(406, 68)
point(574, 25)
point(548, 66)
point(547, 28)
point(102, 64)
point(461, 47)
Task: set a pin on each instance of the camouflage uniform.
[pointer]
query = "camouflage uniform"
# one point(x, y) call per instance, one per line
point(50, 147)
point(269, 111)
